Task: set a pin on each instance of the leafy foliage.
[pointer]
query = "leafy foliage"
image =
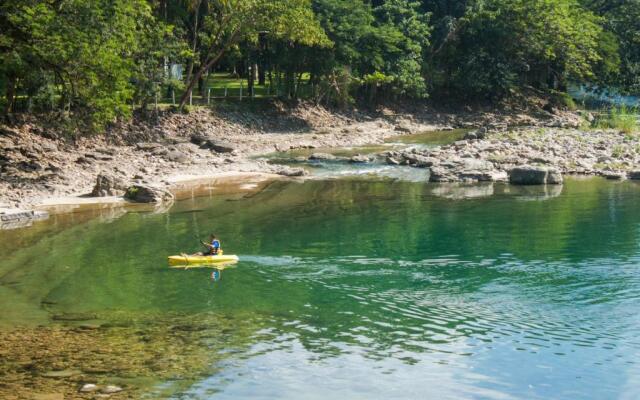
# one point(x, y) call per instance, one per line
point(83, 50)
point(99, 59)
point(503, 44)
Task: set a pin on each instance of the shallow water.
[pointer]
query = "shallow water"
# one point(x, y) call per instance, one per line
point(341, 167)
point(365, 289)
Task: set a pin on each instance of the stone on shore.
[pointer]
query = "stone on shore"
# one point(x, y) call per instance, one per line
point(108, 185)
point(88, 388)
point(198, 139)
point(110, 389)
point(141, 193)
point(533, 175)
point(176, 156)
point(217, 146)
point(147, 146)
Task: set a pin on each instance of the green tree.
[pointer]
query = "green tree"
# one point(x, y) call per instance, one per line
point(621, 19)
point(82, 50)
point(230, 22)
point(388, 40)
point(505, 44)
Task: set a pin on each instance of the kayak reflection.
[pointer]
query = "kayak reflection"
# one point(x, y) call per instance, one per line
point(216, 275)
point(219, 266)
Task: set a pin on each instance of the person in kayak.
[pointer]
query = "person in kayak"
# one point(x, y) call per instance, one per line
point(213, 247)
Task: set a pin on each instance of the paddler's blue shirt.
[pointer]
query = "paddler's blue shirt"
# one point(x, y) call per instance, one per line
point(216, 244)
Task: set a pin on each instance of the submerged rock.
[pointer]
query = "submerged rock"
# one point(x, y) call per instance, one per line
point(322, 156)
point(11, 218)
point(392, 161)
point(360, 159)
point(533, 175)
point(292, 172)
point(74, 317)
point(141, 193)
point(459, 191)
point(67, 373)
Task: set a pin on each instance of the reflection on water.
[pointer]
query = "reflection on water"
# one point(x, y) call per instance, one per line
point(349, 288)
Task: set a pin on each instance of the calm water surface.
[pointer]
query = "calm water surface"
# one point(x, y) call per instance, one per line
point(367, 289)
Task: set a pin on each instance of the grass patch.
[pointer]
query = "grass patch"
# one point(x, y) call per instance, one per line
point(622, 118)
point(618, 151)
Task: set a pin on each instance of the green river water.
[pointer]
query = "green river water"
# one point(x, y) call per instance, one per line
point(356, 289)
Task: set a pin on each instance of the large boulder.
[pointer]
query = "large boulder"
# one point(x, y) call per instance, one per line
point(198, 139)
point(554, 177)
point(108, 185)
point(140, 193)
point(442, 174)
point(534, 175)
point(420, 161)
point(466, 170)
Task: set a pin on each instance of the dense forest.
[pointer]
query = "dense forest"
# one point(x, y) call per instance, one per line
point(102, 58)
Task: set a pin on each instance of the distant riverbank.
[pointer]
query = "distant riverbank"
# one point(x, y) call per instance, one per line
point(41, 166)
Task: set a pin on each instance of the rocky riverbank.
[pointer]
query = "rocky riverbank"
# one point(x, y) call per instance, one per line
point(39, 163)
point(528, 156)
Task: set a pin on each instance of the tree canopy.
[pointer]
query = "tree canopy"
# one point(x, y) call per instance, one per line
point(99, 59)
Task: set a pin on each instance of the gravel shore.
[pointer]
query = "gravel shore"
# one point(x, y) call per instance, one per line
point(39, 164)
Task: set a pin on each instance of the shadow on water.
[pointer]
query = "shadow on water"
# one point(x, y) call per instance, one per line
point(361, 285)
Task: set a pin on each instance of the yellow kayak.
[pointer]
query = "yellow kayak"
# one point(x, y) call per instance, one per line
point(187, 259)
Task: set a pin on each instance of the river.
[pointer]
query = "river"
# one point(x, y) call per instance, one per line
point(355, 288)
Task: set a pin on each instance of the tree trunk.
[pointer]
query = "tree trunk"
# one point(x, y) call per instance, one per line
point(195, 40)
point(289, 83)
point(261, 72)
point(250, 77)
point(10, 94)
point(262, 43)
point(210, 63)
